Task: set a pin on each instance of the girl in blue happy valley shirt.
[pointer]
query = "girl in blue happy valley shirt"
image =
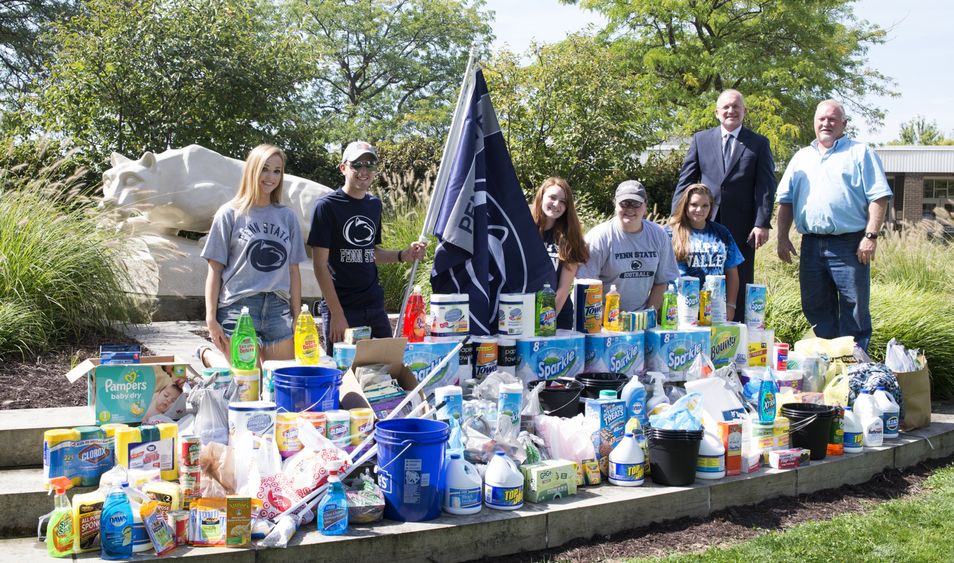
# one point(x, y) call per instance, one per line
point(702, 247)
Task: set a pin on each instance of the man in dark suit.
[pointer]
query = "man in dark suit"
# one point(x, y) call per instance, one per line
point(736, 164)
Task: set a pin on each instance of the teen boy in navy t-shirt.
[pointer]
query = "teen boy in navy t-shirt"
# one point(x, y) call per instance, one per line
point(345, 239)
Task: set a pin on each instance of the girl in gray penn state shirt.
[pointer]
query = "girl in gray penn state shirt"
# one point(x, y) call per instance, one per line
point(254, 249)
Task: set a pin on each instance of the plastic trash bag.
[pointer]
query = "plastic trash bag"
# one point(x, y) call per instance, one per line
point(308, 468)
point(568, 438)
point(211, 413)
point(684, 414)
point(365, 500)
point(489, 388)
point(700, 368)
point(900, 359)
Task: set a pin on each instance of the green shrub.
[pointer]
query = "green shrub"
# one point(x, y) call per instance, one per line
point(402, 226)
point(60, 276)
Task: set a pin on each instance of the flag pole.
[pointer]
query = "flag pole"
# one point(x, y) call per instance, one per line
point(443, 175)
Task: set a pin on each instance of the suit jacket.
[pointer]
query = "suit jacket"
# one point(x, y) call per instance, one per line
point(745, 193)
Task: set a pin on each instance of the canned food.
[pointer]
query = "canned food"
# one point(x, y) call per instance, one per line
point(189, 449)
point(190, 480)
point(179, 522)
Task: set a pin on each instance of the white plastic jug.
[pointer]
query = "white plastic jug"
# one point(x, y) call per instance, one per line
point(854, 432)
point(634, 395)
point(503, 484)
point(871, 422)
point(711, 462)
point(462, 494)
point(890, 412)
point(626, 463)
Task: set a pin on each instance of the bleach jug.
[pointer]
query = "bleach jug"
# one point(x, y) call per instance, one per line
point(116, 526)
point(711, 461)
point(462, 493)
point(854, 434)
point(634, 395)
point(872, 424)
point(891, 412)
point(503, 484)
point(626, 463)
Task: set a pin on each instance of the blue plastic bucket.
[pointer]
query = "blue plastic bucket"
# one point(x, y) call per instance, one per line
point(306, 388)
point(411, 467)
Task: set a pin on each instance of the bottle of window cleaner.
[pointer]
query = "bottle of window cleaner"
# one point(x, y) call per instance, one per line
point(307, 348)
point(415, 318)
point(244, 343)
point(546, 312)
point(854, 433)
point(116, 526)
point(462, 495)
point(767, 391)
point(333, 509)
point(59, 529)
point(503, 484)
point(626, 463)
point(611, 310)
point(634, 395)
point(669, 313)
point(891, 412)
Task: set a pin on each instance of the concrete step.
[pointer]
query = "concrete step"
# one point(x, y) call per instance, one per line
point(595, 511)
point(21, 432)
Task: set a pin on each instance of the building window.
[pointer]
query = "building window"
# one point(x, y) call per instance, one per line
point(938, 192)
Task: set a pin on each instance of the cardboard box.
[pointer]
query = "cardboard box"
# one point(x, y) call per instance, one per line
point(731, 434)
point(377, 351)
point(134, 393)
point(611, 415)
point(548, 480)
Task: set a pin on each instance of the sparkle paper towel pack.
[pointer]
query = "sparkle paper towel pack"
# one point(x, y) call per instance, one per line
point(618, 352)
point(672, 351)
point(549, 357)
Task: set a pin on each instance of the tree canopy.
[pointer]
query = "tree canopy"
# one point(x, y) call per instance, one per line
point(920, 131)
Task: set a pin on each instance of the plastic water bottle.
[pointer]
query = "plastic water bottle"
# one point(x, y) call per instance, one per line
point(244, 344)
point(462, 494)
point(634, 395)
point(890, 412)
point(307, 347)
point(854, 433)
point(626, 463)
point(333, 509)
point(767, 392)
point(503, 484)
point(414, 317)
point(116, 526)
point(871, 422)
point(669, 315)
point(545, 312)
point(611, 310)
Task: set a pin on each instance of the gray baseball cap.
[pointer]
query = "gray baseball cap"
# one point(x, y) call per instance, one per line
point(356, 150)
point(630, 189)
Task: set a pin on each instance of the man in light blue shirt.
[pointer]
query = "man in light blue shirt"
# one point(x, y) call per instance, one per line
point(836, 192)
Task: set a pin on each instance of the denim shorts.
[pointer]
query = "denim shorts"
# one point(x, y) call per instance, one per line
point(271, 316)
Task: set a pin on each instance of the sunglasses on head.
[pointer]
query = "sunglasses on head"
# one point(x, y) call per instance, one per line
point(371, 166)
point(630, 204)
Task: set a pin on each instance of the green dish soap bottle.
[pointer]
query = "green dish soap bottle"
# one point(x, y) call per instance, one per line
point(546, 312)
point(244, 343)
point(59, 530)
point(333, 509)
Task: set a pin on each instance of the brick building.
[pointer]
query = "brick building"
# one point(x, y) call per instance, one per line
point(922, 178)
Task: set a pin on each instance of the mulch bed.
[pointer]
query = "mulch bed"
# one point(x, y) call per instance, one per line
point(738, 524)
point(41, 383)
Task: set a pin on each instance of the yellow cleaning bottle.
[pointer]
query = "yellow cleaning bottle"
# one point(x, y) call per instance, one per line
point(59, 530)
point(307, 349)
point(611, 310)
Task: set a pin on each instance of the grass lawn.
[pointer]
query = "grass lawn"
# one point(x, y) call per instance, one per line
point(911, 529)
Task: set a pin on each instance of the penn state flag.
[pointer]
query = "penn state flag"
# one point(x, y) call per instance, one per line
point(487, 241)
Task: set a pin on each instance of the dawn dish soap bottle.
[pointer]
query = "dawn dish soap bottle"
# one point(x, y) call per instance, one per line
point(634, 395)
point(244, 343)
point(59, 529)
point(116, 526)
point(333, 509)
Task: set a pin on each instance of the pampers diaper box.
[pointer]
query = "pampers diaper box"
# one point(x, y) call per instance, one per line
point(728, 344)
point(618, 352)
point(549, 357)
point(126, 393)
point(672, 351)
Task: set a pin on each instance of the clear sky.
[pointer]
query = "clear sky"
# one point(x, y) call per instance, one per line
point(919, 53)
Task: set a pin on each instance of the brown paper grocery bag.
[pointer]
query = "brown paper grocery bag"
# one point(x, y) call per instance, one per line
point(916, 394)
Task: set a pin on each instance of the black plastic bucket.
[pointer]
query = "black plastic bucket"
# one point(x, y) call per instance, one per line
point(810, 426)
point(594, 382)
point(560, 397)
point(673, 455)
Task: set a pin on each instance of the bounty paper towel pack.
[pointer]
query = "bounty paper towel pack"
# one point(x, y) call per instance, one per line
point(728, 344)
point(672, 351)
point(618, 352)
point(549, 357)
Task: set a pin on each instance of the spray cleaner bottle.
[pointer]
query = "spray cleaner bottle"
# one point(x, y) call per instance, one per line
point(333, 509)
point(59, 530)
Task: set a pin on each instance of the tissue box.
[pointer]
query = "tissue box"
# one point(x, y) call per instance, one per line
point(548, 480)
